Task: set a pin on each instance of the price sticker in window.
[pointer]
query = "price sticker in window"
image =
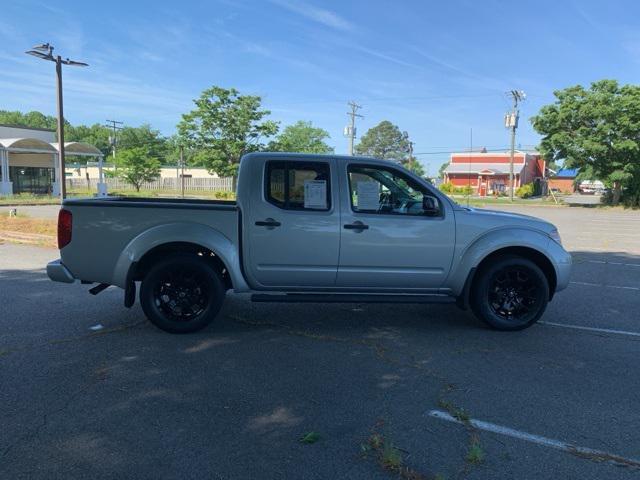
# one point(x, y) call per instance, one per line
point(315, 194)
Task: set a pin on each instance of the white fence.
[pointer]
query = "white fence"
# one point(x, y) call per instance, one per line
point(216, 184)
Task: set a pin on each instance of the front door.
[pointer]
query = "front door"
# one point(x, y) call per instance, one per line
point(392, 238)
point(293, 226)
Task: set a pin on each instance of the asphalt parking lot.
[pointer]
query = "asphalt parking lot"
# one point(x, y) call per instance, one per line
point(125, 400)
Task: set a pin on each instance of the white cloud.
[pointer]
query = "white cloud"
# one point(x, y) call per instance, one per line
point(317, 14)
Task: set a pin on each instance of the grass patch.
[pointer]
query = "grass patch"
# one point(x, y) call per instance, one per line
point(475, 454)
point(458, 413)
point(22, 229)
point(310, 438)
point(485, 201)
point(29, 199)
point(391, 458)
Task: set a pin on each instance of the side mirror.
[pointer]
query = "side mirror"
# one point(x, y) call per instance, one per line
point(430, 206)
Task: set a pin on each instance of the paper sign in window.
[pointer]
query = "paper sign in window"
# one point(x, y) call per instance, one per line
point(315, 194)
point(368, 195)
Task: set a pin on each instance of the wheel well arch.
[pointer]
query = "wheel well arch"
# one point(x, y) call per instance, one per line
point(537, 257)
point(142, 266)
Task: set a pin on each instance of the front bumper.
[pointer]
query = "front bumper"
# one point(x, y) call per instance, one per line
point(59, 273)
point(562, 262)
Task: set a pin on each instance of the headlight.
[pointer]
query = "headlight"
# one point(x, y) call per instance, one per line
point(555, 235)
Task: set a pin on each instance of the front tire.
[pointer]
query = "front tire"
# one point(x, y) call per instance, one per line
point(182, 293)
point(511, 293)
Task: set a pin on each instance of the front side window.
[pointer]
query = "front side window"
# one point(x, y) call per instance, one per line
point(298, 185)
point(387, 191)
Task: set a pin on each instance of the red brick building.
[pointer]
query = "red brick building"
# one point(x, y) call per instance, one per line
point(564, 180)
point(488, 172)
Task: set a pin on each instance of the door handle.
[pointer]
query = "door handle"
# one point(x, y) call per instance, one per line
point(356, 226)
point(269, 222)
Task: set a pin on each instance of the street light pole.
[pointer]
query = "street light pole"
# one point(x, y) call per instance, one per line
point(45, 52)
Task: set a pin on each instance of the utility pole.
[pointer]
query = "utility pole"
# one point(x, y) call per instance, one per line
point(350, 130)
point(115, 126)
point(61, 159)
point(182, 167)
point(511, 122)
point(45, 52)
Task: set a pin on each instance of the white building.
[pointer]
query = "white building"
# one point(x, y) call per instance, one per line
point(29, 160)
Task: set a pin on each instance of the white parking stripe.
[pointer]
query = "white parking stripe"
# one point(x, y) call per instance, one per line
point(604, 262)
point(596, 455)
point(601, 285)
point(592, 329)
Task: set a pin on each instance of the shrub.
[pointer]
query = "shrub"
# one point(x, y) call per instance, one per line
point(447, 187)
point(466, 190)
point(525, 191)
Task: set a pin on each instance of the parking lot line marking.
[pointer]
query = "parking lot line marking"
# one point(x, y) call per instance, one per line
point(604, 262)
point(592, 329)
point(590, 453)
point(601, 285)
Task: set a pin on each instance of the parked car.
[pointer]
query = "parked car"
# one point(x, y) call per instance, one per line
point(588, 187)
point(311, 228)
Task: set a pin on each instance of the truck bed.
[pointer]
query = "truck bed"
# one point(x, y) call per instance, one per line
point(103, 228)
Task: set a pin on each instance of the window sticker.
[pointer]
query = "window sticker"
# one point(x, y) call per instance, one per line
point(368, 196)
point(315, 194)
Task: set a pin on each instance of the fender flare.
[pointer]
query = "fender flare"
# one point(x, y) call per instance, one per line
point(195, 233)
point(467, 262)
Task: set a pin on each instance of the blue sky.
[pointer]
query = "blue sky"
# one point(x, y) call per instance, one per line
point(436, 69)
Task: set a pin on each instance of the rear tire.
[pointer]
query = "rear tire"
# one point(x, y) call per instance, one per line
point(510, 294)
point(182, 293)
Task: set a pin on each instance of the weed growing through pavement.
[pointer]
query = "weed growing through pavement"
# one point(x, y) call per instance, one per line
point(309, 438)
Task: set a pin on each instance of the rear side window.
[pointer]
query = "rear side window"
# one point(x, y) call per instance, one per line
point(298, 185)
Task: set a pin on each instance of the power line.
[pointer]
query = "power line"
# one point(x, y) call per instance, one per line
point(384, 99)
point(466, 150)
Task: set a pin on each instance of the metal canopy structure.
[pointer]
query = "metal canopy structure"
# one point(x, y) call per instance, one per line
point(79, 149)
point(27, 145)
point(37, 146)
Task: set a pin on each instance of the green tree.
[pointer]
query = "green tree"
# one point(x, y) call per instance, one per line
point(224, 126)
point(96, 135)
point(29, 119)
point(136, 166)
point(414, 165)
point(596, 130)
point(143, 136)
point(385, 141)
point(301, 137)
point(442, 168)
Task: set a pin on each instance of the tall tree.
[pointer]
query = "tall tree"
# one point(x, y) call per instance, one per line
point(413, 164)
point(442, 168)
point(597, 129)
point(301, 137)
point(96, 135)
point(224, 126)
point(30, 119)
point(136, 166)
point(385, 141)
point(143, 136)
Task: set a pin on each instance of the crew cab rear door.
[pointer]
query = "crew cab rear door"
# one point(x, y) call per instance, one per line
point(292, 235)
point(390, 240)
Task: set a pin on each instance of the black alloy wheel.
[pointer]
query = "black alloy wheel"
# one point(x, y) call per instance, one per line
point(510, 294)
point(182, 293)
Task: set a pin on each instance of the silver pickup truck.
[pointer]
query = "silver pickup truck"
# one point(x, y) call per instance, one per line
point(313, 228)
